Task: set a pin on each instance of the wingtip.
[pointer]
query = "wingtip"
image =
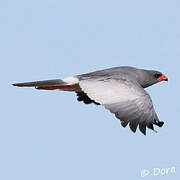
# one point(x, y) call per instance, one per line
point(159, 123)
point(142, 128)
point(144, 133)
point(124, 123)
point(133, 129)
point(133, 126)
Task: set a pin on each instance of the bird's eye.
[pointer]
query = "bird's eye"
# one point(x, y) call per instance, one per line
point(157, 75)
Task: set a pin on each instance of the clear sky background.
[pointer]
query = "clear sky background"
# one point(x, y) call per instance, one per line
point(48, 134)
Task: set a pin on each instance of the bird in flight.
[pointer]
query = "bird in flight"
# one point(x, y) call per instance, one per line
point(118, 89)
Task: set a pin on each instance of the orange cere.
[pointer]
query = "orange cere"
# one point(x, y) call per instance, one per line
point(162, 78)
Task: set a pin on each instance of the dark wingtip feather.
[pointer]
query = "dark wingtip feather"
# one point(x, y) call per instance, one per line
point(133, 126)
point(124, 123)
point(84, 97)
point(142, 128)
point(159, 123)
point(150, 126)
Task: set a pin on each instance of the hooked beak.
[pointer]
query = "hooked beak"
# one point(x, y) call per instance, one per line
point(162, 78)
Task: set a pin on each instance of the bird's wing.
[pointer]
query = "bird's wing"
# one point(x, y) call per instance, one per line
point(126, 99)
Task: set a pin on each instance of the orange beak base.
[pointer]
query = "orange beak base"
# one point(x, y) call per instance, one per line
point(162, 78)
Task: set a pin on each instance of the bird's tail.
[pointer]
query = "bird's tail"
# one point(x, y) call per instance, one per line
point(68, 84)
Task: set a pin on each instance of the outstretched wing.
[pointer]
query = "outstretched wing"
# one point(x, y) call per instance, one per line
point(125, 98)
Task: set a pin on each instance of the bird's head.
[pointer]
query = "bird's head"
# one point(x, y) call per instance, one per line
point(149, 77)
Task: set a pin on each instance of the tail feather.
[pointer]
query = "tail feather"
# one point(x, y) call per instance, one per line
point(54, 82)
point(50, 85)
point(68, 87)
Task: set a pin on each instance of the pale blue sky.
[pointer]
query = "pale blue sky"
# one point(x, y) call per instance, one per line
point(49, 135)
